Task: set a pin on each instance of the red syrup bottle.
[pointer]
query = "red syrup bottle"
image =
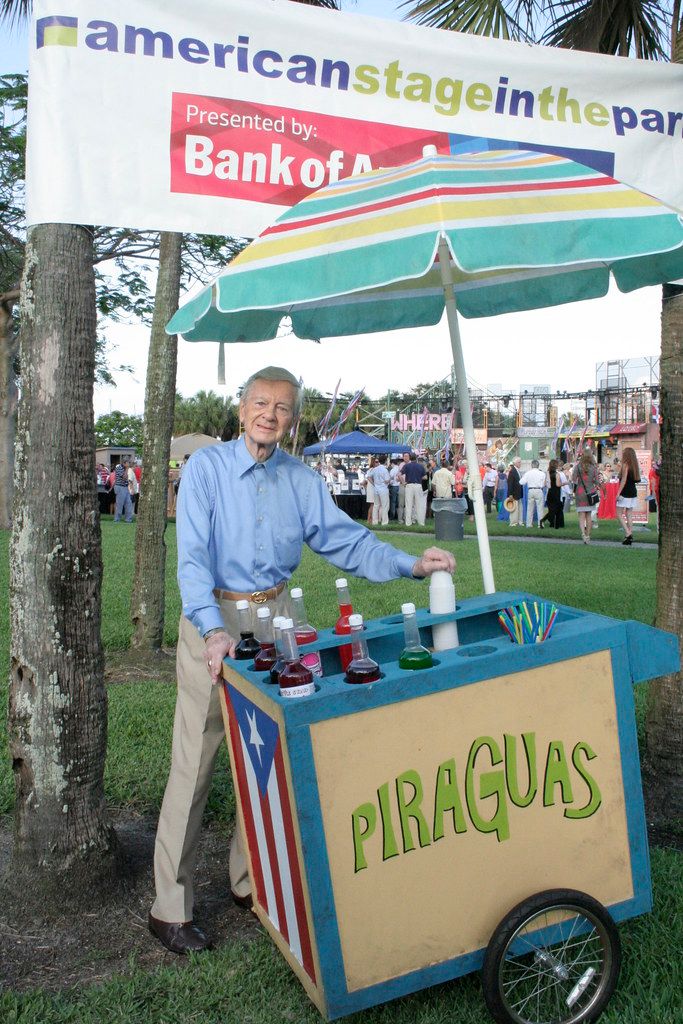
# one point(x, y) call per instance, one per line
point(295, 680)
point(266, 657)
point(248, 646)
point(362, 669)
point(279, 660)
point(304, 632)
point(342, 626)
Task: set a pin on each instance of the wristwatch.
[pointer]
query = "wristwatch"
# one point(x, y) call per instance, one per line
point(211, 632)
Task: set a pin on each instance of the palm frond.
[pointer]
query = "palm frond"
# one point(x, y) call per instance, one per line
point(331, 5)
point(497, 18)
point(634, 28)
point(15, 11)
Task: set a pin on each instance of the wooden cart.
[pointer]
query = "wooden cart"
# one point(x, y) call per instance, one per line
point(407, 832)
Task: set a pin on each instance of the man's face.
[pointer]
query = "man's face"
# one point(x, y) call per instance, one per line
point(267, 413)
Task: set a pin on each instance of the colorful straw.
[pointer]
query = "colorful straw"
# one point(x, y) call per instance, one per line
point(528, 624)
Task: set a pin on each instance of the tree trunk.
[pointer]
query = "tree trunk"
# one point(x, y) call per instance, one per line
point(57, 706)
point(664, 724)
point(147, 606)
point(8, 403)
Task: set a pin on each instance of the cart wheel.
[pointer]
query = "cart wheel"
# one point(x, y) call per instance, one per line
point(554, 959)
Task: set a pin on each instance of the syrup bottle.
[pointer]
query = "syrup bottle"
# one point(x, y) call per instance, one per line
point(414, 655)
point(295, 680)
point(279, 660)
point(342, 626)
point(362, 669)
point(248, 646)
point(304, 632)
point(266, 657)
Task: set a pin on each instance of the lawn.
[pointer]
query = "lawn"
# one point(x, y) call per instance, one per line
point(606, 529)
point(249, 982)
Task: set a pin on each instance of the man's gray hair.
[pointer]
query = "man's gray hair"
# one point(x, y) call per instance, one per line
point(535, 463)
point(276, 373)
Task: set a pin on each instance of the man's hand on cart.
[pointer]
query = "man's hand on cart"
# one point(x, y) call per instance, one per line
point(434, 560)
point(217, 646)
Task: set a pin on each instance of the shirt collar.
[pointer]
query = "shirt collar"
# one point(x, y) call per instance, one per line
point(246, 461)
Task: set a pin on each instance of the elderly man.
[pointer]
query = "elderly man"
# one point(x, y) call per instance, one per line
point(534, 479)
point(244, 511)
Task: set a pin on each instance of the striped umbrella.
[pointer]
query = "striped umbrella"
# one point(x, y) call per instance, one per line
point(498, 231)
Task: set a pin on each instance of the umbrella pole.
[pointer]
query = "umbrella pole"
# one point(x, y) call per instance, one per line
point(474, 477)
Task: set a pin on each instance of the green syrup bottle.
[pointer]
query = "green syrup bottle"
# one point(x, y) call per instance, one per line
point(414, 654)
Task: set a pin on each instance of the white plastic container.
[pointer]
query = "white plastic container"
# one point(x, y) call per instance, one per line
point(441, 602)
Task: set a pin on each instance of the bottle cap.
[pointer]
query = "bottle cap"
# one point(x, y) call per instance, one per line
point(355, 620)
point(287, 623)
point(263, 613)
point(408, 608)
point(296, 592)
point(341, 583)
point(239, 605)
point(278, 620)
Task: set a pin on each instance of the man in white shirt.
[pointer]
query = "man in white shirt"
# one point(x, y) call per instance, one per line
point(380, 480)
point(489, 481)
point(534, 479)
point(394, 488)
point(443, 482)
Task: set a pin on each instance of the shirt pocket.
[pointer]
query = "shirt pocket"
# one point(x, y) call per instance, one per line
point(288, 543)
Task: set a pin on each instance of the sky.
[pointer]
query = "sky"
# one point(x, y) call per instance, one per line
point(557, 347)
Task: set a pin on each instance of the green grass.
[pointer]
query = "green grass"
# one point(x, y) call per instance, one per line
point(250, 983)
point(608, 529)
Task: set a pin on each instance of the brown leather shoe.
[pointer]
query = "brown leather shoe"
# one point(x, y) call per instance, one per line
point(181, 938)
point(246, 902)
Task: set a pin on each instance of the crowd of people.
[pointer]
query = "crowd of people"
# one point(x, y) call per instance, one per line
point(402, 490)
point(119, 489)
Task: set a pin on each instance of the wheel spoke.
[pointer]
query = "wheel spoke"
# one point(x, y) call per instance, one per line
point(536, 980)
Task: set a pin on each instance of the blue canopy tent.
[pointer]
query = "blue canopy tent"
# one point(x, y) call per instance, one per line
point(356, 442)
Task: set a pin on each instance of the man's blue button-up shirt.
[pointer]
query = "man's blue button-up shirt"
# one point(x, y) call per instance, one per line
point(242, 524)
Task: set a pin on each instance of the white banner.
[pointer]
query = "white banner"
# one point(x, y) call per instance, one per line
point(217, 116)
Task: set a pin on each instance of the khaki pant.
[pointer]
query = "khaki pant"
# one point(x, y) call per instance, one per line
point(380, 507)
point(401, 502)
point(197, 735)
point(534, 499)
point(416, 504)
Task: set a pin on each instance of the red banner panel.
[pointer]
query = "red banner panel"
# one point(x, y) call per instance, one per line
point(229, 148)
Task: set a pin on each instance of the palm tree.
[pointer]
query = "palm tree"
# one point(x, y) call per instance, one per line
point(647, 29)
point(58, 710)
point(623, 27)
point(57, 720)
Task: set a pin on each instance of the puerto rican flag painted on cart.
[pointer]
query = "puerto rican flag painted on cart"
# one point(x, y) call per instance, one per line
point(268, 823)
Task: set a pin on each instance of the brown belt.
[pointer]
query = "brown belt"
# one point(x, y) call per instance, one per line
point(256, 597)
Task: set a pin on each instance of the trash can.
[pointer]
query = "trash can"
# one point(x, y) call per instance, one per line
point(449, 518)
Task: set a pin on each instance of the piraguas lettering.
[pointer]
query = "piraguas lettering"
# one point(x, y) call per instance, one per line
point(409, 813)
